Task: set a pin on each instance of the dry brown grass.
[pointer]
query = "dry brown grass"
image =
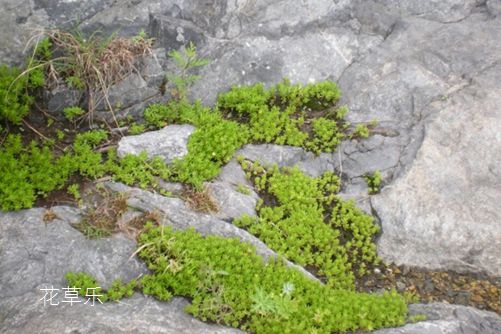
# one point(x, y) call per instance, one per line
point(110, 214)
point(101, 220)
point(49, 215)
point(200, 200)
point(93, 64)
point(133, 227)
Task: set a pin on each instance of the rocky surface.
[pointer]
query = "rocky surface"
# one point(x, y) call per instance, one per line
point(35, 255)
point(428, 71)
point(441, 213)
point(35, 252)
point(39, 252)
point(448, 319)
point(169, 143)
point(137, 314)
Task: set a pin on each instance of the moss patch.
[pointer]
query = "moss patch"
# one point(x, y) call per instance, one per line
point(228, 283)
point(305, 221)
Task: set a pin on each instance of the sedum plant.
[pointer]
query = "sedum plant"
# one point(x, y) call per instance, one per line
point(310, 225)
point(228, 283)
point(373, 182)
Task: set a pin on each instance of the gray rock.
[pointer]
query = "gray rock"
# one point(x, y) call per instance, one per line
point(60, 98)
point(168, 143)
point(175, 188)
point(35, 252)
point(288, 156)
point(138, 314)
point(449, 319)
point(225, 191)
point(442, 11)
point(444, 212)
point(130, 96)
point(233, 173)
point(232, 203)
point(494, 7)
point(426, 70)
point(35, 255)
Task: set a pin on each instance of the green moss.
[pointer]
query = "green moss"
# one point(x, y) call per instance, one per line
point(228, 283)
point(159, 115)
point(361, 131)
point(15, 103)
point(71, 112)
point(119, 290)
point(310, 225)
point(28, 172)
point(282, 113)
point(326, 136)
point(83, 281)
point(373, 182)
point(276, 115)
point(137, 169)
point(209, 147)
point(32, 171)
point(243, 189)
point(136, 129)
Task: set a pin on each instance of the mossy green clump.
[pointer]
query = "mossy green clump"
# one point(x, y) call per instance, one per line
point(15, 102)
point(85, 283)
point(137, 169)
point(326, 135)
point(119, 290)
point(136, 129)
point(17, 85)
point(72, 112)
point(279, 114)
point(210, 146)
point(28, 172)
point(283, 114)
point(160, 115)
point(228, 283)
point(361, 131)
point(373, 182)
point(310, 225)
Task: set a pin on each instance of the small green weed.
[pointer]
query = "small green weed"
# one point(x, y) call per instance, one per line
point(136, 129)
point(186, 61)
point(361, 131)
point(72, 112)
point(243, 189)
point(373, 182)
point(417, 318)
point(74, 189)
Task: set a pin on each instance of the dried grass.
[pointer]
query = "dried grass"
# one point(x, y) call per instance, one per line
point(93, 64)
point(200, 200)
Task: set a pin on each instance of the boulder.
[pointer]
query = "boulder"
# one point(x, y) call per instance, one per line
point(444, 212)
point(168, 143)
point(443, 318)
